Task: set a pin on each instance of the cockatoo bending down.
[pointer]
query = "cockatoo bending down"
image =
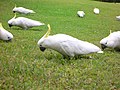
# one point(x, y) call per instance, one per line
point(96, 11)
point(4, 34)
point(67, 45)
point(111, 41)
point(22, 10)
point(23, 22)
point(81, 14)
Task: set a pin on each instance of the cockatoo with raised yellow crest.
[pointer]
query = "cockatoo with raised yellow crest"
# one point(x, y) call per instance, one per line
point(22, 10)
point(67, 45)
point(4, 34)
point(23, 22)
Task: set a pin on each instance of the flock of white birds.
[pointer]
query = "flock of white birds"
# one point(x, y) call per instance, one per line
point(82, 13)
point(23, 22)
point(67, 45)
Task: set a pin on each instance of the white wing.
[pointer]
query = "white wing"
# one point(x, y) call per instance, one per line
point(78, 47)
point(114, 39)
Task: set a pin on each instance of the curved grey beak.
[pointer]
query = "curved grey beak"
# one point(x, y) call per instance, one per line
point(13, 11)
point(42, 48)
point(10, 25)
point(10, 40)
point(103, 46)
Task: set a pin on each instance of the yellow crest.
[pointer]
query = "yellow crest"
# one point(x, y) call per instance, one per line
point(48, 32)
point(14, 16)
point(110, 31)
point(15, 6)
point(1, 25)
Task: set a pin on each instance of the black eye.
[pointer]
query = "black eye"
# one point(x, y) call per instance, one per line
point(8, 37)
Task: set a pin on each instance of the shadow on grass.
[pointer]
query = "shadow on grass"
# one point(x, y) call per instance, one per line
point(31, 29)
point(109, 1)
point(56, 57)
point(112, 50)
point(5, 41)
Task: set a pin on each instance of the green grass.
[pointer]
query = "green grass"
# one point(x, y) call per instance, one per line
point(24, 67)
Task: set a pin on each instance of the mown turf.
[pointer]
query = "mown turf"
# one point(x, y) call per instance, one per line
point(24, 67)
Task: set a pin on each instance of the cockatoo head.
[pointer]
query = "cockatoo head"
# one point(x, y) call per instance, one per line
point(5, 35)
point(11, 21)
point(42, 40)
point(14, 9)
point(103, 43)
point(107, 42)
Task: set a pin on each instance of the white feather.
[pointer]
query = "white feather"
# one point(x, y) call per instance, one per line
point(112, 41)
point(81, 13)
point(68, 45)
point(4, 34)
point(24, 23)
point(118, 17)
point(96, 11)
point(22, 10)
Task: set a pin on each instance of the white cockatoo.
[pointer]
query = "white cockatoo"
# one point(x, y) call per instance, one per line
point(118, 17)
point(67, 45)
point(22, 10)
point(111, 41)
point(23, 22)
point(4, 34)
point(81, 13)
point(96, 10)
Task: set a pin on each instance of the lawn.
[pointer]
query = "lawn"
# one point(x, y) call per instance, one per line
point(24, 67)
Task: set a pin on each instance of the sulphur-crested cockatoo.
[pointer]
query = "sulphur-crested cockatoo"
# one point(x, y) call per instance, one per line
point(96, 11)
point(22, 10)
point(23, 22)
point(111, 41)
point(4, 34)
point(67, 45)
point(118, 17)
point(81, 13)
